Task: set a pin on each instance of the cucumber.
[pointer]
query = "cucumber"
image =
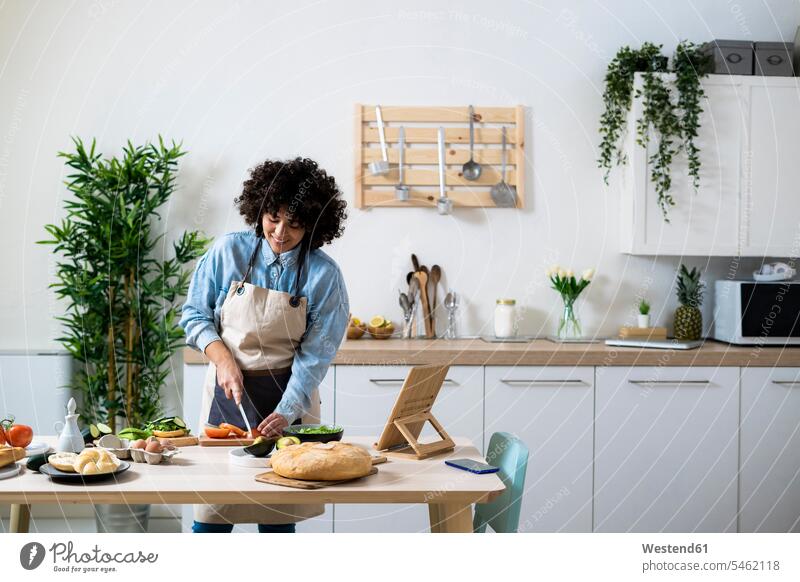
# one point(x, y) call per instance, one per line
point(104, 428)
point(94, 431)
point(86, 433)
point(179, 422)
point(36, 461)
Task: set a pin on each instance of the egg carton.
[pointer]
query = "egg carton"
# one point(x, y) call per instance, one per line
point(142, 456)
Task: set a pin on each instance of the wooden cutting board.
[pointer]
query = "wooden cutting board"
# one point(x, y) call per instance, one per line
point(274, 479)
point(184, 441)
point(229, 442)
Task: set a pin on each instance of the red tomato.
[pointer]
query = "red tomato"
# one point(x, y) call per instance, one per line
point(2, 436)
point(19, 435)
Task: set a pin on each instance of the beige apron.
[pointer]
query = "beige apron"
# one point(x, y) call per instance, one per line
point(262, 331)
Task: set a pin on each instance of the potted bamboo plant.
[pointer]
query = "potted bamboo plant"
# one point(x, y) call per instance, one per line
point(122, 285)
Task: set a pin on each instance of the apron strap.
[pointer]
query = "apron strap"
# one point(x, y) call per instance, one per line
point(249, 266)
point(294, 300)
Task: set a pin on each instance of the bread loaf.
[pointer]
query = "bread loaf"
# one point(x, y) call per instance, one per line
point(10, 455)
point(332, 461)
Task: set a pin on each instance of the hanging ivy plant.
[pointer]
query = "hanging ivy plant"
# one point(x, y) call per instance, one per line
point(689, 65)
point(672, 122)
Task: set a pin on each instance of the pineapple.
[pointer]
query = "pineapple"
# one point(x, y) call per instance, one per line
point(688, 318)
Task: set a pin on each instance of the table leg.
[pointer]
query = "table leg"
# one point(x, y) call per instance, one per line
point(454, 517)
point(20, 518)
point(435, 517)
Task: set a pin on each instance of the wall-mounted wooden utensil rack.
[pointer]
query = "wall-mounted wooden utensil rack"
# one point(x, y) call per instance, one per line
point(421, 158)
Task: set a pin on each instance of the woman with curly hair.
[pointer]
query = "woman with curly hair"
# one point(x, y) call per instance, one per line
point(269, 309)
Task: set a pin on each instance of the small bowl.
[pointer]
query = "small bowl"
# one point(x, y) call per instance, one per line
point(313, 438)
point(384, 332)
point(356, 331)
point(113, 444)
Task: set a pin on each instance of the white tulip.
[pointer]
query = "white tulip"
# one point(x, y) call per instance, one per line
point(588, 274)
point(554, 269)
point(562, 273)
point(570, 273)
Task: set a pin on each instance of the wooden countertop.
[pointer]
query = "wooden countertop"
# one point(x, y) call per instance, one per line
point(476, 352)
point(204, 475)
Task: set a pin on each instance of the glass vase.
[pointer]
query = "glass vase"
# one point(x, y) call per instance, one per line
point(569, 326)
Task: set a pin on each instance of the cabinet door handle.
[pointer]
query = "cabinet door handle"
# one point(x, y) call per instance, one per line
point(529, 382)
point(670, 382)
point(401, 380)
point(786, 382)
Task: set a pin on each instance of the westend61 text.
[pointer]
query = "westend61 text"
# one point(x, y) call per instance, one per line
point(670, 549)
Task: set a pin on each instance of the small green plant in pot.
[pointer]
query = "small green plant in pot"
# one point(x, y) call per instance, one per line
point(644, 313)
point(688, 317)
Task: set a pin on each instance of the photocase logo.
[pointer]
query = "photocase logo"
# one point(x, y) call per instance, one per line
point(31, 555)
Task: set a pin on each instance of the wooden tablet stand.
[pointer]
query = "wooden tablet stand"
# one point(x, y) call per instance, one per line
point(400, 437)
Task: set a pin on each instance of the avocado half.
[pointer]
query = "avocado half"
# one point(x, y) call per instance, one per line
point(261, 447)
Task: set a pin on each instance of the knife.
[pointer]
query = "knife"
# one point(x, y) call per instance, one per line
point(246, 422)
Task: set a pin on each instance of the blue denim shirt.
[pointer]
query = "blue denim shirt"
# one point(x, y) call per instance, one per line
point(322, 283)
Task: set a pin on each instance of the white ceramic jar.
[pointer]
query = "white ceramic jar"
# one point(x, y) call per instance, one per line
point(505, 324)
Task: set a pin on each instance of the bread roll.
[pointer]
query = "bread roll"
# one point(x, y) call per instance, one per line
point(332, 461)
point(95, 461)
point(63, 461)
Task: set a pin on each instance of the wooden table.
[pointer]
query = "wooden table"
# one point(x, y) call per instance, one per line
point(204, 475)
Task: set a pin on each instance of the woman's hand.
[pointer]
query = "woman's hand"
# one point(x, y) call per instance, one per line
point(229, 376)
point(273, 425)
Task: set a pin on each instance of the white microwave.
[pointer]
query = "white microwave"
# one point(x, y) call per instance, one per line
point(757, 313)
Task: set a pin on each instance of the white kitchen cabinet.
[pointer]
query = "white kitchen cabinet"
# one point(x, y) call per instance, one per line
point(364, 398)
point(771, 198)
point(193, 378)
point(551, 409)
point(666, 449)
point(747, 203)
point(770, 450)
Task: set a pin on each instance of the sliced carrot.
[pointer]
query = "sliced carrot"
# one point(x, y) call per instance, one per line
point(217, 433)
point(234, 429)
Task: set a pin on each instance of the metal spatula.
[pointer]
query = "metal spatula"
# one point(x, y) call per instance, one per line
point(380, 167)
point(504, 195)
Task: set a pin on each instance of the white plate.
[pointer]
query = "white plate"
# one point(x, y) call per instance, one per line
point(237, 456)
point(37, 449)
point(11, 470)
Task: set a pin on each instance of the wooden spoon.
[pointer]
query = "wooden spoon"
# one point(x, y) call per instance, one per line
point(414, 261)
point(422, 277)
point(436, 275)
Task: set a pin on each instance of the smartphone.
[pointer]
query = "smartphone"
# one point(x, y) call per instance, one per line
point(472, 466)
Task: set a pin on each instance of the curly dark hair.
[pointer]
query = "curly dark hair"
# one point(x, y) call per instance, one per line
point(304, 190)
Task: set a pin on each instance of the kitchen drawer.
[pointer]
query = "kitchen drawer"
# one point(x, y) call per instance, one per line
point(551, 409)
point(364, 398)
point(666, 443)
point(770, 450)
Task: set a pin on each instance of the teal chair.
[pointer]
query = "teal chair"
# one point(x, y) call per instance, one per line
point(502, 514)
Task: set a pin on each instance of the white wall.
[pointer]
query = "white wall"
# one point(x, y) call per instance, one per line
point(242, 81)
